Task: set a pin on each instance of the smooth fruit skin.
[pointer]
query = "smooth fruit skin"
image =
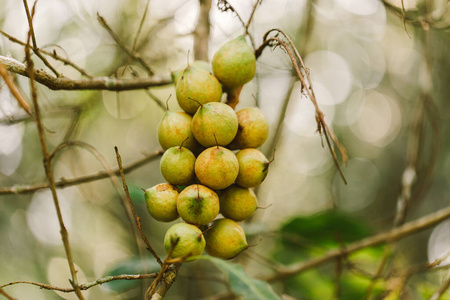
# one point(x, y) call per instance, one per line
point(225, 239)
point(198, 205)
point(253, 167)
point(177, 166)
point(201, 64)
point(234, 64)
point(199, 85)
point(214, 124)
point(217, 167)
point(161, 201)
point(190, 240)
point(253, 129)
point(237, 203)
point(174, 129)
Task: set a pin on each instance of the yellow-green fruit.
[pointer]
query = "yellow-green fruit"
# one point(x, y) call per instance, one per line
point(198, 205)
point(177, 166)
point(234, 64)
point(199, 85)
point(161, 201)
point(217, 167)
point(201, 64)
point(174, 129)
point(226, 239)
point(253, 167)
point(214, 123)
point(253, 129)
point(237, 203)
point(190, 240)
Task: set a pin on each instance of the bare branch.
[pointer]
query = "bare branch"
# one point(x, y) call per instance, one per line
point(96, 83)
point(84, 286)
point(18, 189)
point(130, 53)
point(15, 91)
point(136, 218)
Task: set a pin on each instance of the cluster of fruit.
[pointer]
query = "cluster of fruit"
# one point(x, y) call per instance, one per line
point(204, 175)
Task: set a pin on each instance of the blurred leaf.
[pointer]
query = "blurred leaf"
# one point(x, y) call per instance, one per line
point(328, 228)
point(136, 194)
point(129, 266)
point(242, 284)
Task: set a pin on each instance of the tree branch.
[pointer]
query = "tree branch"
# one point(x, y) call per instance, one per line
point(390, 236)
point(96, 83)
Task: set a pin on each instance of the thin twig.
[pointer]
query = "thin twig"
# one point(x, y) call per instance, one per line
point(84, 286)
point(8, 296)
point(393, 235)
point(96, 83)
point(53, 54)
point(441, 290)
point(129, 52)
point(141, 24)
point(48, 168)
point(15, 91)
point(63, 183)
point(136, 218)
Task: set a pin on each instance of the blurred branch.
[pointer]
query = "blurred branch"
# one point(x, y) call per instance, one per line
point(8, 296)
point(52, 54)
point(84, 286)
point(47, 158)
point(202, 30)
point(25, 189)
point(15, 91)
point(393, 235)
point(129, 52)
point(427, 21)
point(136, 218)
point(96, 83)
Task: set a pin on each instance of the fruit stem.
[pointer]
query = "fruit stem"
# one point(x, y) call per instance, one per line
point(183, 143)
point(233, 96)
point(217, 144)
point(273, 156)
point(167, 102)
point(201, 105)
point(253, 245)
point(264, 207)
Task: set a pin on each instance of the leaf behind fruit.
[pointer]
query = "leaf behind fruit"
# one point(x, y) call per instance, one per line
point(241, 283)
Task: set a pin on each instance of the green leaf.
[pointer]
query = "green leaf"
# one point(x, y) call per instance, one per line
point(241, 284)
point(129, 266)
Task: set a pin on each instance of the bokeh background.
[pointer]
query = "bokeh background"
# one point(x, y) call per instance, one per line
point(373, 77)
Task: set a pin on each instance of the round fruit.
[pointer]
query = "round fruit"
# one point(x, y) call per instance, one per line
point(199, 85)
point(217, 167)
point(177, 166)
point(234, 64)
point(214, 123)
point(201, 64)
point(237, 203)
point(253, 167)
point(187, 238)
point(226, 239)
point(198, 205)
point(161, 201)
point(174, 129)
point(253, 129)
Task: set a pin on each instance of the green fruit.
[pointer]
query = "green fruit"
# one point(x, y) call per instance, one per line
point(234, 64)
point(253, 167)
point(226, 239)
point(253, 129)
point(177, 166)
point(214, 124)
point(198, 205)
point(201, 64)
point(174, 129)
point(217, 167)
point(199, 85)
point(190, 240)
point(161, 201)
point(237, 203)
